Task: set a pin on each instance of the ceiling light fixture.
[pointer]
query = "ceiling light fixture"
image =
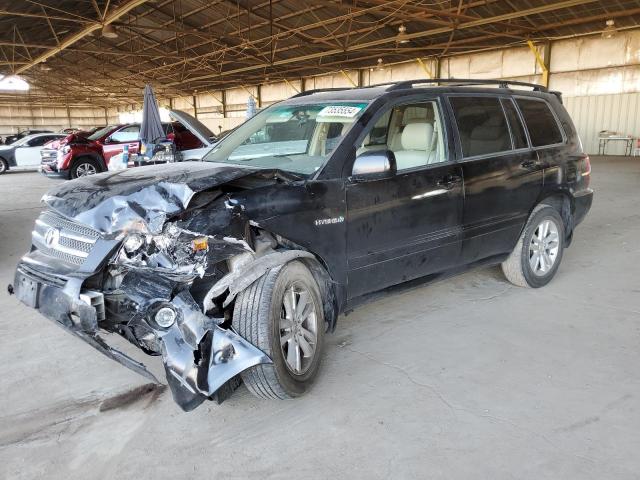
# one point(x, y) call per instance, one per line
point(402, 36)
point(610, 30)
point(109, 31)
point(379, 66)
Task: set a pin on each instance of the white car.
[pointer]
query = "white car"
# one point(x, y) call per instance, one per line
point(24, 154)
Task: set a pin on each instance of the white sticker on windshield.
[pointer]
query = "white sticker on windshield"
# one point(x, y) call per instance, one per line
point(339, 111)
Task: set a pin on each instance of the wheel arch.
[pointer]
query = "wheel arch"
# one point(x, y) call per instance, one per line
point(563, 202)
point(92, 156)
point(6, 162)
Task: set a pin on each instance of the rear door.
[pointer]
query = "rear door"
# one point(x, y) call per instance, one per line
point(128, 135)
point(406, 226)
point(502, 175)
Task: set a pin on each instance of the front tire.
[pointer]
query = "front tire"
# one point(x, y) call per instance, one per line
point(538, 253)
point(281, 313)
point(84, 167)
point(4, 166)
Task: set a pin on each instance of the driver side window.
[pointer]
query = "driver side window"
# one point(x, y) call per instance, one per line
point(126, 134)
point(36, 142)
point(413, 132)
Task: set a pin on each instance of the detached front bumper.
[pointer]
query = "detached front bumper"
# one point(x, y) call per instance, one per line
point(199, 356)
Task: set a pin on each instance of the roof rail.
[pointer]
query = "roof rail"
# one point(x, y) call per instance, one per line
point(336, 89)
point(449, 81)
point(318, 90)
point(466, 81)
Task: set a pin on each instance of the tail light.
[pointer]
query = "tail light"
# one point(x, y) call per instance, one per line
point(586, 170)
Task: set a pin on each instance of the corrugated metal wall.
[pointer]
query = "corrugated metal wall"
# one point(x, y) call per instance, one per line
point(592, 114)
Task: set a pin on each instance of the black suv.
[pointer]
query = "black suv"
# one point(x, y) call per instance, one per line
point(235, 267)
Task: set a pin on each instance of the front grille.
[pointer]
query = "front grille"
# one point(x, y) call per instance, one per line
point(64, 239)
point(49, 155)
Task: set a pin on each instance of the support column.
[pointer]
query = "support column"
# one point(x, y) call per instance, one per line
point(259, 95)
point(224, 104)
point(195, 106)
point(542, 60)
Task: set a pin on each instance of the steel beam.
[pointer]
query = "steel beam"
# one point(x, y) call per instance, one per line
point(113, 16)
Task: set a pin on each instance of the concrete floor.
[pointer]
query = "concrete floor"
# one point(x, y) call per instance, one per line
point(467, 378)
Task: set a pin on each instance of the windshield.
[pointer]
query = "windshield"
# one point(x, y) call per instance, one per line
point(23, 140)
point(294, 138)
point(101, 133)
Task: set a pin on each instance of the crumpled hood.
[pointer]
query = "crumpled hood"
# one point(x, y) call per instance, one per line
point(138, 199)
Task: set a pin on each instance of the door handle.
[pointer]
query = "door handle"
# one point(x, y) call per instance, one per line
point(448, 181)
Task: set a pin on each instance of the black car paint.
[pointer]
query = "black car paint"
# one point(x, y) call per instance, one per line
point(8, 154)
point(367, 236)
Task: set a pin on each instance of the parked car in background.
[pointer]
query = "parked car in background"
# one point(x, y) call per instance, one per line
point(203, 139)
point(12, 138)
point(77, 155)
point(24, 154)
point(239, 264)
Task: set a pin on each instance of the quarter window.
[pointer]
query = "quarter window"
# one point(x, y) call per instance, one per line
point(517, 129)
point(482, 125)
point(541, 123)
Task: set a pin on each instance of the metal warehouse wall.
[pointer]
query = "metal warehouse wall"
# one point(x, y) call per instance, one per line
point(618, 113)
point(599, 79)
point(15, 118)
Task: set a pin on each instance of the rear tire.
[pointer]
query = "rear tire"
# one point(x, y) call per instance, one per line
point(4, 166)
point(84, 167)
point(281, 313)
point(538, 253)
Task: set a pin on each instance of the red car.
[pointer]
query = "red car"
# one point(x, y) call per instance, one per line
point(77, 155)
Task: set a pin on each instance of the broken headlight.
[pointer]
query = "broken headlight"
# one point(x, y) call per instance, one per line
point(176, 251)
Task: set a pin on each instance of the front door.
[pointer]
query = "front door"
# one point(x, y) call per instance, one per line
point(502, 175)
point(28, 154)
point(125, 136)
point(406, 226)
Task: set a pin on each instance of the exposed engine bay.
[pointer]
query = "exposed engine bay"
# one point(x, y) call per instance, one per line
point(159, 265)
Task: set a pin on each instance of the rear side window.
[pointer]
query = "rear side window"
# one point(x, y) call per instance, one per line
point(542, 125)
point(481, 124)
point(517, 129)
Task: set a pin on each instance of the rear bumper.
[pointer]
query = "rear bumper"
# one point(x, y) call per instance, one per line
point(582, 204)
point(199, 357)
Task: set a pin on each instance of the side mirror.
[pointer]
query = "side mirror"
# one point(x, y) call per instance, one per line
point(373, 165)
point(107, 140)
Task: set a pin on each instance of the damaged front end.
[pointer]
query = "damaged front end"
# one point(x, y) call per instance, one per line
point(128, 262)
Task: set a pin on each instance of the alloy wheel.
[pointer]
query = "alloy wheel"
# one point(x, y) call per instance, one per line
point(85, 169)
point(544, 246)
point(298, 328)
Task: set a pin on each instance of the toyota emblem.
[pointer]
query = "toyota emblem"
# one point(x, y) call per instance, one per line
point(51, 237)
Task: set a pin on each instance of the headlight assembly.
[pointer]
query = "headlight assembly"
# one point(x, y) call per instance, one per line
point(133, 242)
point(174, 251)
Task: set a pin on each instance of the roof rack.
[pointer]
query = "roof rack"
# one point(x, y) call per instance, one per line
point(466, 82)
point(449, 81)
